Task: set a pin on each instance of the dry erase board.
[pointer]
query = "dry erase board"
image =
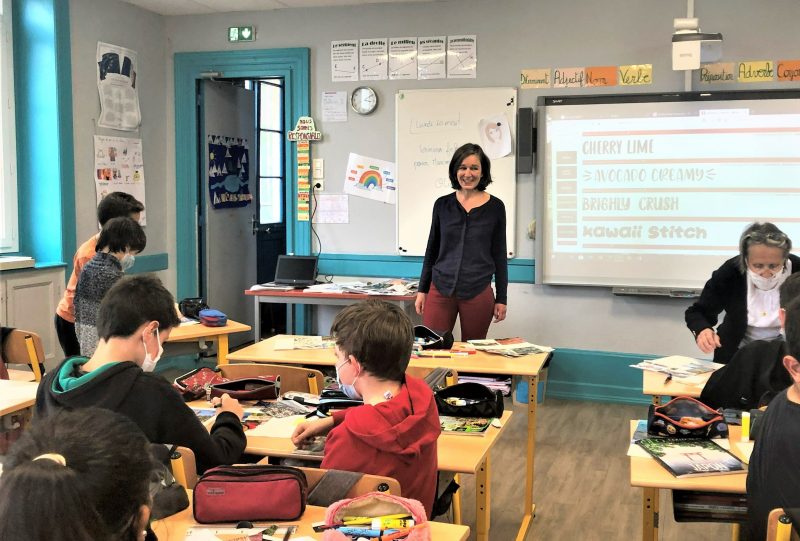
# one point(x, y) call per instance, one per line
point(430, 125)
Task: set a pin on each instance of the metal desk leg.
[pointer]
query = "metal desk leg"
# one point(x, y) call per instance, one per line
point(482, 501)
point(257, 320)
point(530, 507)
point(649, 514)
point(222, 349)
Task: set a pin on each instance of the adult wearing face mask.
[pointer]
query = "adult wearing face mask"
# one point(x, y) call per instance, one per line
point(119, 242)
point(746, 288)
point(134, 319)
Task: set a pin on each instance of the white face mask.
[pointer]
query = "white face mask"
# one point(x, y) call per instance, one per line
point(765, 284)
point(127, 261)
point(149, 363)
point(349, 390)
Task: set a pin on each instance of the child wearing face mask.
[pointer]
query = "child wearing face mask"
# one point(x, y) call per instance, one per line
point(119, 240)
point(394, 433)
point(134, 319)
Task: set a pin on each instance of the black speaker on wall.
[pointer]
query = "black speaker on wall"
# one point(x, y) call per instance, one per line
point(526, 140)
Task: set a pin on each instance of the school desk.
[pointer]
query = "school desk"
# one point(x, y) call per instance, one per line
point(197, 333)
point(20, 375)
point(527, 367)
point(656, 385)
point(652, 477)
point(16, 395)
point(174, 528)
point(300, 296)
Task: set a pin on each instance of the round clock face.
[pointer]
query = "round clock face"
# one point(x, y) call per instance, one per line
point(364, 100)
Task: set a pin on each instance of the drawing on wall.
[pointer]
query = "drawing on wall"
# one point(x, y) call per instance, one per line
point(370, 178)
point(116, 84)
point(228, 172)
point(119, 167)
point(495, 135)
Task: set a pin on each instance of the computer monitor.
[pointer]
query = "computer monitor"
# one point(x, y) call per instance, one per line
point(296, 270)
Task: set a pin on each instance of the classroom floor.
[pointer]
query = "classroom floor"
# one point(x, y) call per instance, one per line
point(582, 485)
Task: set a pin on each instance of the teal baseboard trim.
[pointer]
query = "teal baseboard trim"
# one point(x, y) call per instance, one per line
point(599, 376)
point(150, 263)
point(396, 266)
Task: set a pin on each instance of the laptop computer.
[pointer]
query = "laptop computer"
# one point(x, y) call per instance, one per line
point(296, 270)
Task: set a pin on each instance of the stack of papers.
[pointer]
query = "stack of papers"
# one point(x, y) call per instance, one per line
point(303, 342)
point(509, 347)
point(682, 369)
point(380, 287)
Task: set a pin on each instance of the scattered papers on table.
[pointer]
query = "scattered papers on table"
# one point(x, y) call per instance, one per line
point(682, 369)
point(381, 287)
point(303, 342)
point(509, 347)
point(277, 427)
point(270, 286)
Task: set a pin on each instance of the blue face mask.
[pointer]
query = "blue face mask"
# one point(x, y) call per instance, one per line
point(348, 390)
point(127, 262)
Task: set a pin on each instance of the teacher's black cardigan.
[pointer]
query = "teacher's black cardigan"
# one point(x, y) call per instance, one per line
point(725, 290)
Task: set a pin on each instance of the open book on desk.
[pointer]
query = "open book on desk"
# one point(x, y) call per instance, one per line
point(680, 369)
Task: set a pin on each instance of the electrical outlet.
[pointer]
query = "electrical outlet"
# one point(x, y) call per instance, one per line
point(319, 185)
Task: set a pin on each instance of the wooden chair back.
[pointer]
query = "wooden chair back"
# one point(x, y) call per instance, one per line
point(779, 527)
point(184, 467)
point(368, 483)
point(293, 378)
point(25, 347)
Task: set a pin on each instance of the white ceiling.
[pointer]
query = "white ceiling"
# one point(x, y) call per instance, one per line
point(201, 7)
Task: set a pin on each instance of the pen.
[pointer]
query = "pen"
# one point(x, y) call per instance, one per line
point(668, 378)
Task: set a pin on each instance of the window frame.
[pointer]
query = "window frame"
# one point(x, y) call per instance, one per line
point(9, 226)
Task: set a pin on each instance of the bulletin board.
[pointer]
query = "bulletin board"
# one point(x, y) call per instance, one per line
point(431, 125)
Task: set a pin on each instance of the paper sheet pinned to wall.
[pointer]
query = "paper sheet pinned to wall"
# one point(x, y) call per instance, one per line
point(116, 83)
point(495, 135)
point(370, 178)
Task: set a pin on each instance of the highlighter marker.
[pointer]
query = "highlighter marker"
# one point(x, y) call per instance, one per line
point(348, 520)
point(379, 523)
point(364, 532)
point(745, 426)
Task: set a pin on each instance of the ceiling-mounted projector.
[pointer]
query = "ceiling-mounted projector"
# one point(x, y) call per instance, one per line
point(690, 46)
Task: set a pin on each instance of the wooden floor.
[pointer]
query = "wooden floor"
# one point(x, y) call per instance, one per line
point(582, 484)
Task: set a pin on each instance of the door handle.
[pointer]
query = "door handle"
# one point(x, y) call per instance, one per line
point(254, 224)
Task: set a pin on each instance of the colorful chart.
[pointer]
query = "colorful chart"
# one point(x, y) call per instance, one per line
point(371, 179)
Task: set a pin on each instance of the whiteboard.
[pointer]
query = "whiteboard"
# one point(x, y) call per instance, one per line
point(431, 125)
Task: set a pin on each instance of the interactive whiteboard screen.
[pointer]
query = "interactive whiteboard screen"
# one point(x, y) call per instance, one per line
point(654, 190)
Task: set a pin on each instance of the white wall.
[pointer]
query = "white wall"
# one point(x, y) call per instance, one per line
point(122, 24)
point(512, 35)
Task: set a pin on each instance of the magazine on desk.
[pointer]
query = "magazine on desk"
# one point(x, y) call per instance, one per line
point(469, 426)
point(680, 368)
point(692, 457)
point(509, 347)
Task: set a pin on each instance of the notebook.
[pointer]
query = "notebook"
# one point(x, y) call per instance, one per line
point(296, 270)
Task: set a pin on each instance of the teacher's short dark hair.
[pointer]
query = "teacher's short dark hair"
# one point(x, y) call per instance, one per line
point(461, 154)
point(765, 233)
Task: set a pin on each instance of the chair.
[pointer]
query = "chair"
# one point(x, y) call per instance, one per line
point(293, 378)
point(25, 347)
point(779, 526)
point(184, 467)
point(367, 483)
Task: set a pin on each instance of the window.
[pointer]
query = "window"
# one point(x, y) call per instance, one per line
point(9, 236)
point(271, 134)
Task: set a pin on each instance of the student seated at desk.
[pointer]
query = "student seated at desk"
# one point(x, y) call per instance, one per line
point(134, 320)
point(755, 374)
point(773, 479)
point(77, 476)
point(394, 433)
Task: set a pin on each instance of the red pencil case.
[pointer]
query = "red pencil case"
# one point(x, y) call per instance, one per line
point(252, 493)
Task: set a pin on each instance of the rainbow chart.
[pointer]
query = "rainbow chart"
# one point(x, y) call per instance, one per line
point(370, 178)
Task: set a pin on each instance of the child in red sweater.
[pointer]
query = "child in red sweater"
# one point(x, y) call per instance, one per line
point(394, 433)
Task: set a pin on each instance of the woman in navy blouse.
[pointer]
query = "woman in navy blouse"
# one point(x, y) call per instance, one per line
point(466, 247)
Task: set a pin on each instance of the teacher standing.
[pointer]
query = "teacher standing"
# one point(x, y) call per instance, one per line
point(466, 247)
point(746, 287)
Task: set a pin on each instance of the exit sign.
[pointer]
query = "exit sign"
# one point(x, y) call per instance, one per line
point(241, 33)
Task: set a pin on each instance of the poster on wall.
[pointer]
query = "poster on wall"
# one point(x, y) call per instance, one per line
point(462, 57)
point(116, 83)
point(119, 167)
point(228, 172)
point(370, 178)
point(431, 58)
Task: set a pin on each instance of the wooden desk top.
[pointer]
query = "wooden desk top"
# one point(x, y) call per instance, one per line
point(301, 293)
point(20, 375)
point(647, 472)
point(653, 384)
point(457, 453)
point(174, 528)
point(16, 395)
point(481, 363)
point(196, 332)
